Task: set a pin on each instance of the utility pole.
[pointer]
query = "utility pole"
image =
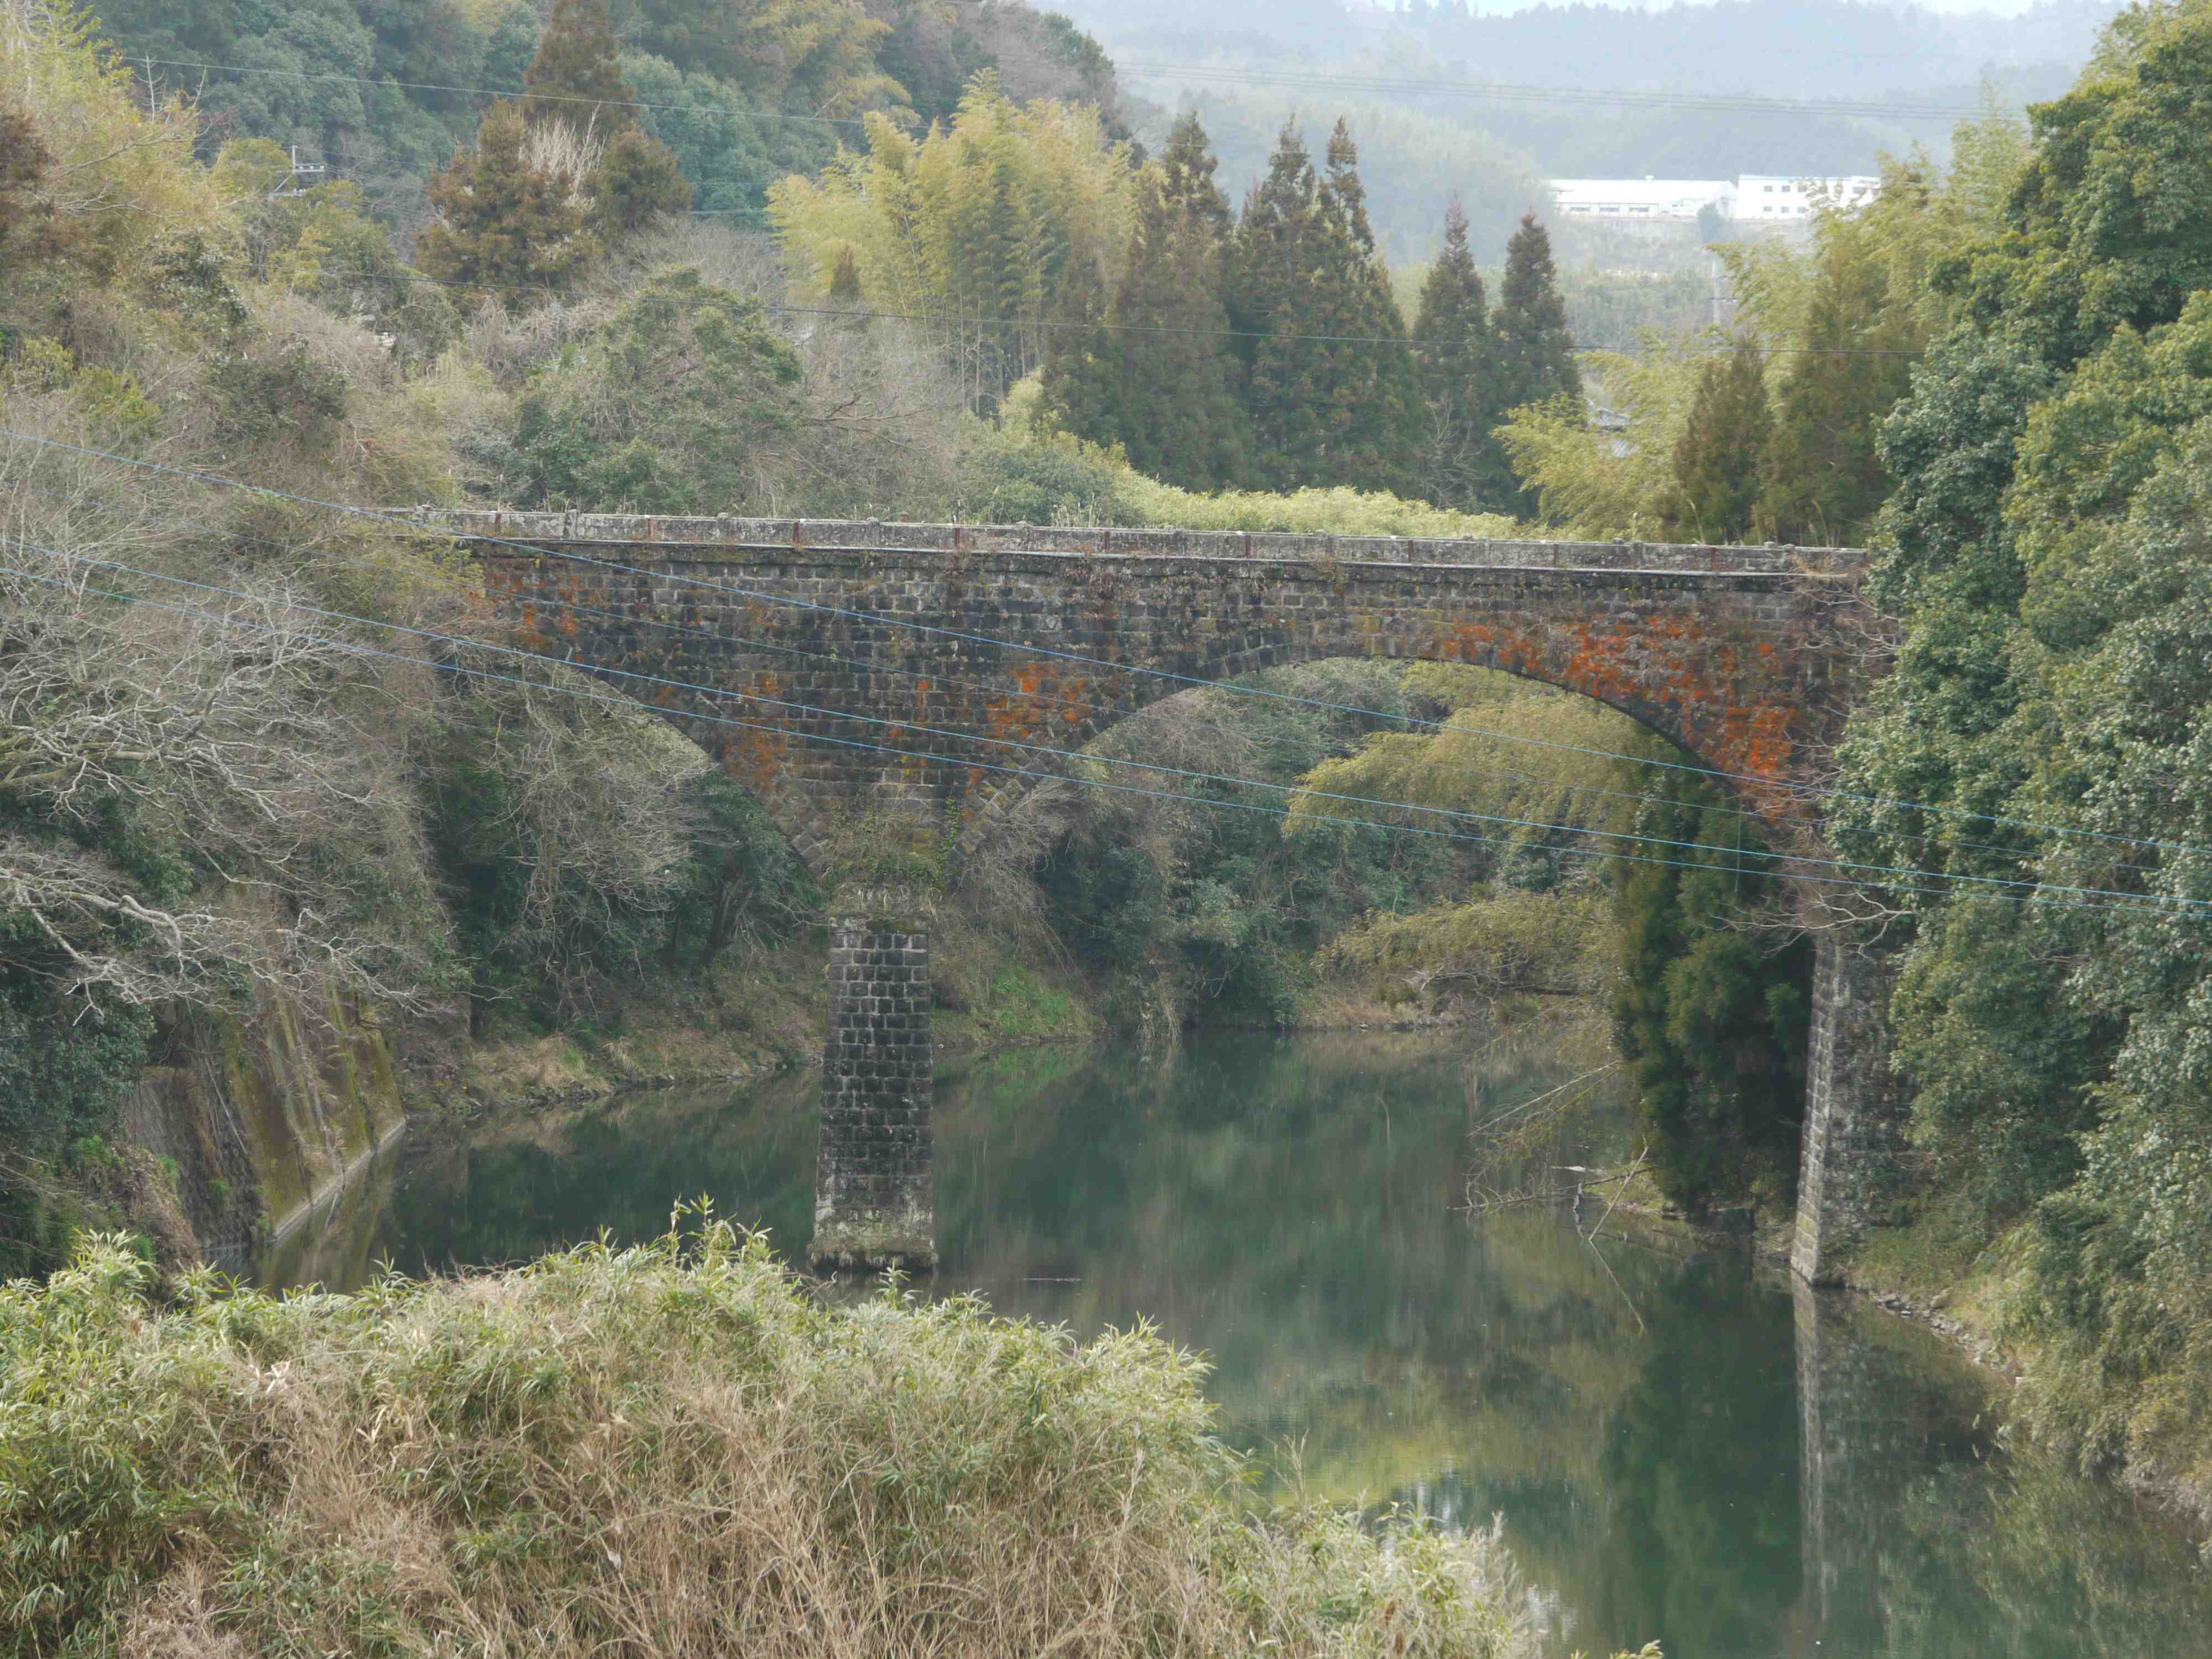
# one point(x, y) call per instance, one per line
point(291, 186)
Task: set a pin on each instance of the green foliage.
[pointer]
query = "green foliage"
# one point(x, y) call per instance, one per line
point(807, 57)
point(741, 879)
point(1198, 913)
point(574, 77)
point(1328, 405)
point(1824, 480)
point(322, 243)
point(483, 1417)
point(1710, 1009)
point(1720, 458)
point(1461, 464)
point(1045, 482)
point(2108, 226)
point(1342, 511)
point(67, 1063)
point(286, 401)
point(505, 228)
point(973, 226)
point(637, 182)
point(666, 408)
point(1534, 353)
point(1163, 384)
point(1510, 943)
point(725, 145)
point(2044, 547)
point(23, 159)
point(1577, 468)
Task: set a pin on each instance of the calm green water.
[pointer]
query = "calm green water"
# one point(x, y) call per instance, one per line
point(1681, 1447)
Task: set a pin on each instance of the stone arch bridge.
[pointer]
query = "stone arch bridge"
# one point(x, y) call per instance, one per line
point(859, 649)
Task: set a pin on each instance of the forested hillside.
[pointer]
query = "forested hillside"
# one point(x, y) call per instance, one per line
point(1996, 376)
point(382, 92)
point(214, 366)
point(826, 258)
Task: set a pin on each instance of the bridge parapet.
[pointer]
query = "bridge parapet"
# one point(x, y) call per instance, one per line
point(699, 535)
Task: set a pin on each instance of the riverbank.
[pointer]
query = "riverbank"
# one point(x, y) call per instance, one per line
point(1927, 1271)
point(735, 1023)
point(677, 1448)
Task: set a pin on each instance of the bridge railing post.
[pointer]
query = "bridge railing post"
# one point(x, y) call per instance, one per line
point(874, 1197)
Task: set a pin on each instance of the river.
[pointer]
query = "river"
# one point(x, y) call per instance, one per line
point(1682, 1446)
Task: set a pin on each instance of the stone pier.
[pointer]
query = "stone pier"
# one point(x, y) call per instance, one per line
point(874, 1205)
point(1855, 1108)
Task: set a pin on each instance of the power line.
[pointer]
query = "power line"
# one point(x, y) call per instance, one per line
point(1500, 92)
point(753, 111)
point(1508, 93)
point(1800, 789)
point(1439, 729)
point(1296, 790)
point(949, 319)
point(2143, 904)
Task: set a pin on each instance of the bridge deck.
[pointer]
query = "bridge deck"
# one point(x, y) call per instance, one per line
point(877, 535)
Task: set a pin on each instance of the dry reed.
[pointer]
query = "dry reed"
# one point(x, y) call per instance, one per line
point(673, 1450)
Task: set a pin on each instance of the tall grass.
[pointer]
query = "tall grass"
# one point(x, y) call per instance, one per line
point(668, 1450)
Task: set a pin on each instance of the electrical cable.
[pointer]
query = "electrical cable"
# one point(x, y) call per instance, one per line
point(1493, 91)
point(2148, 904)
point(1294, 790)
point(1446, 764)
point(757, 114)
point(855, 314)
point(1799, 789)
point(1510, 93)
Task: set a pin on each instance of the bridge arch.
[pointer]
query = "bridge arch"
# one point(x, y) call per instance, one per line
point(1747, 659)
point(992, 797)
point(868, 650)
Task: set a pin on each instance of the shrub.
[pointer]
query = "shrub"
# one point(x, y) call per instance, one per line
point(673, 1450)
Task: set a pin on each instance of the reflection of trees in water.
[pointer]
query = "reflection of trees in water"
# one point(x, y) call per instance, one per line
point(1291, 1207)
point(1701, 1475)
point(548, 1182)
point(2061, 1567)
point(1679, 1520)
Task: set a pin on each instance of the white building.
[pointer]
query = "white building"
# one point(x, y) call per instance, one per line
point(1770, 196)
point(1751, 197)
point(1637, 199)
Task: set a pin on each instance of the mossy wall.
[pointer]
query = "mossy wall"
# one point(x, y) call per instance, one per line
point(263, 1114)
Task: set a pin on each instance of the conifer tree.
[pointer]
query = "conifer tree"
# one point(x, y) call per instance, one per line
point(1330, 387)
point(845, 280)
point(1720, 458)
point(1825, 477)
point(1452, 350)
point(574, 77)
point(635, 183)
point(503, 226)
point(1175, 408)
point(1082, 371)
point(1377, 414)
point(1187, 169)
point(1272, 267)
point(1535, 351)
